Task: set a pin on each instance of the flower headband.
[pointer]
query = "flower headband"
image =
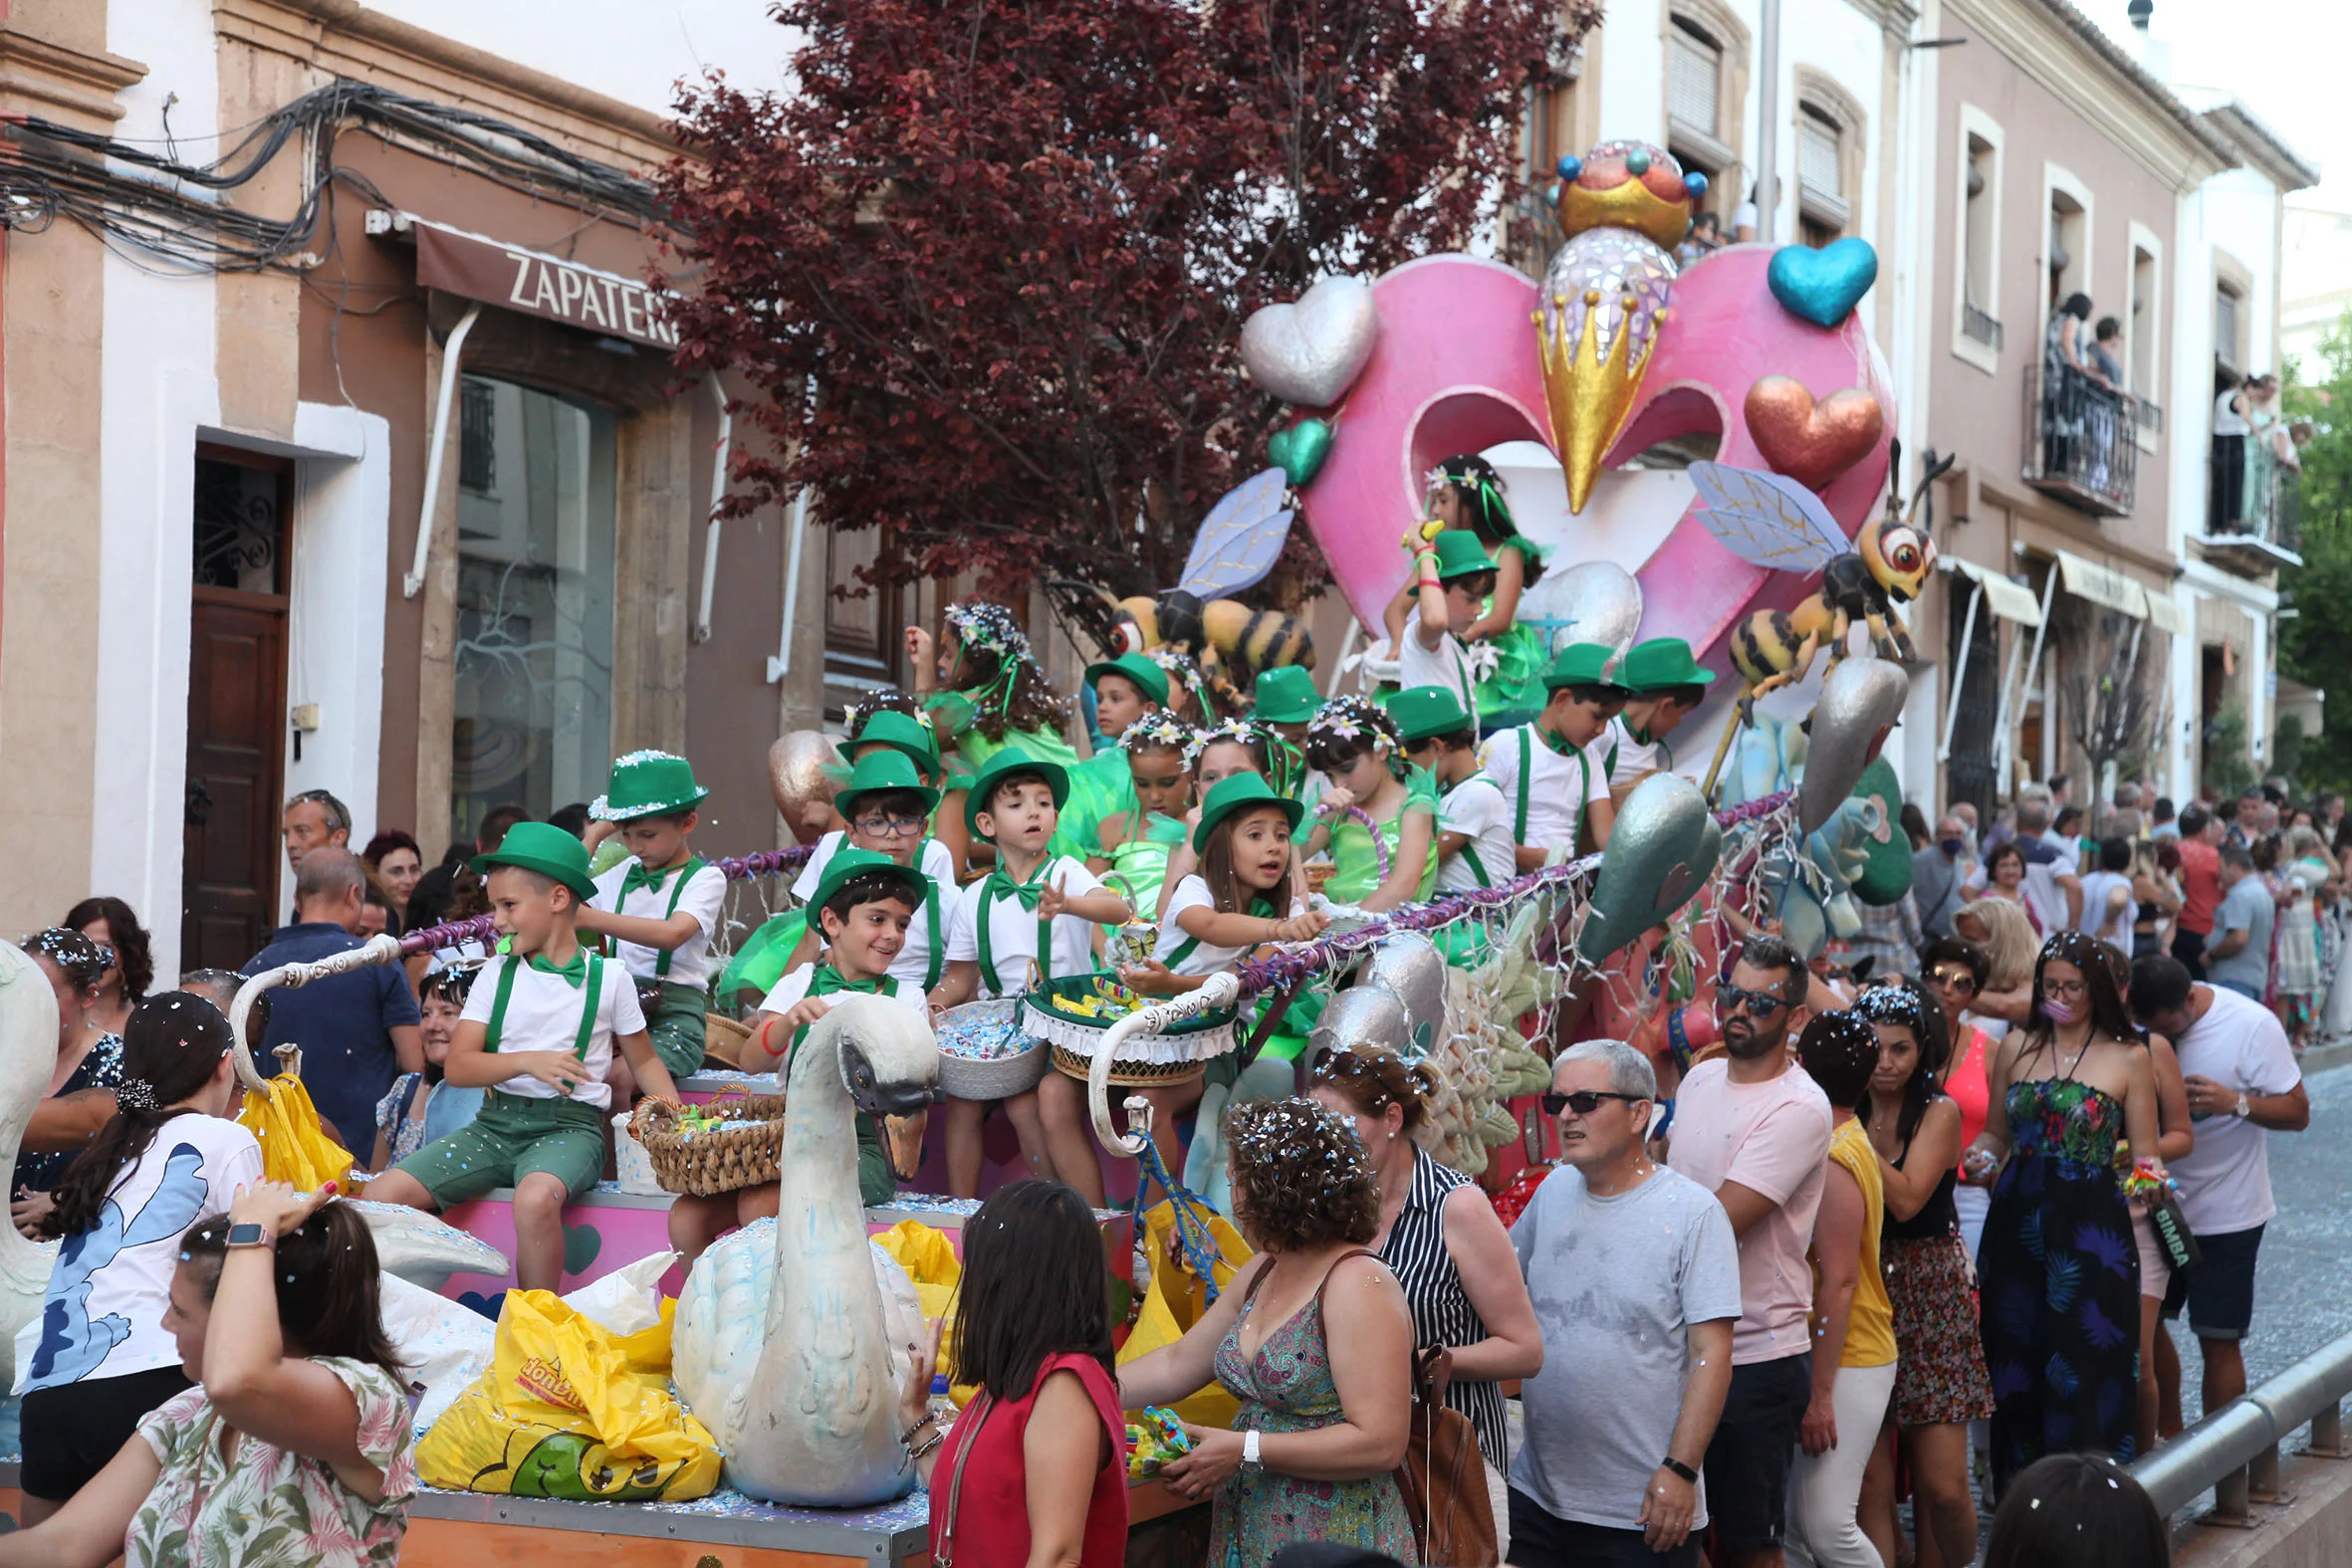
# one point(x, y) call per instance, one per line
point(1352, 719)
point(989, 628)
point(1161, 730)
point(1241, 732)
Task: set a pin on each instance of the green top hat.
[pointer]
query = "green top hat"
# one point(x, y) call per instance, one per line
point(1661, 664)
point(1423, 711)
point(1460, 554)
point(1284, 695)
point(847, 863)
point(647, 784)
point(1148, 677)
point(882, 773)
point(1584, 664)
point(545, 848)
point(1007, 762)
point(1237, 793)
point(903, 733)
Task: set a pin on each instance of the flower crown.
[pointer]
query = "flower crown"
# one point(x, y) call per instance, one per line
point(1179, 665)
point(1354, 719)
point(881, 699)
point(1162, 731)
point(1242, 732)
point(989, 628)
point(1269, 1130)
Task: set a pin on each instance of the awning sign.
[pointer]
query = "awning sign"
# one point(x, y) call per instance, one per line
point(537, 283)
point(2005, 597)
point(2087, 580)
point(2166, 615)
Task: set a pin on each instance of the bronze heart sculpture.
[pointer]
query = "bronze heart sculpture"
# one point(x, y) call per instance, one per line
point(1813, 442)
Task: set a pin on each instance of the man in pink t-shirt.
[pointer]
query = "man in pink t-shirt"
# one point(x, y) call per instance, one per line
point(1754, 1130)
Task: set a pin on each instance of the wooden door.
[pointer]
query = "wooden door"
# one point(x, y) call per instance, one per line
point(236, 710)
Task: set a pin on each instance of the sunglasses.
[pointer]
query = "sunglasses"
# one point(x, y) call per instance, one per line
point(1952, 980)
point(1760, 1004)
point(1584, 1101)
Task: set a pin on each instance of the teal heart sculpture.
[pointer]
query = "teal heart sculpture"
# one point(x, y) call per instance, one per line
point(1822, 285)
point(1300, 451)
point(581, 1245)
point(1661, 852)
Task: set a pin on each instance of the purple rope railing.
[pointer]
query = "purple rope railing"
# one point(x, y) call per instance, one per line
point(484, 927)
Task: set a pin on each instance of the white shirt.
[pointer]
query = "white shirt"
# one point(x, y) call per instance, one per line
point(2228, 421)
point(703, 897)
point(1203, 958)
point(1446, 665)
point(1013, 930)
point(1632, 759)
point(1475, 806)
point(103, 1316)
point(2098, 887)
point(2225, 1178)
point(795, 986)
point(543, 1014)
point(913, 964)
point(1560, 786)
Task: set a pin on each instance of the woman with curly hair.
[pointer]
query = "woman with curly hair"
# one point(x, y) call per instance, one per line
point(110, 924)
point(1378, 819)
point(1312, 1336)
point(984, 691)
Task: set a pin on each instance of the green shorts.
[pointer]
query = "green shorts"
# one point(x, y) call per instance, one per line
point(513, 1137)
point(676, 1027)
point(875, 1184)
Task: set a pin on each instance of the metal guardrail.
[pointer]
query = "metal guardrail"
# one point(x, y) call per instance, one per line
point(2234, 1450)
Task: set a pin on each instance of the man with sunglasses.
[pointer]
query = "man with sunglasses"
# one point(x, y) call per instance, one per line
point(1635, 1279)
point(313, 819)
point(1753, 1129)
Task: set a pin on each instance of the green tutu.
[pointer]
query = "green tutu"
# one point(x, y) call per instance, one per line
point(1517, 685)
point(759, 964)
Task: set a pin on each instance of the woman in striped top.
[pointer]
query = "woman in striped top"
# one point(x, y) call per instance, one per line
point(1442, 1239)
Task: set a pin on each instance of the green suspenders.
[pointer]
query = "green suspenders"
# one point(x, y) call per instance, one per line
point(593, 986)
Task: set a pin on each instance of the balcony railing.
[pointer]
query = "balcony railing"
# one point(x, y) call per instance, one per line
point(2079, 441)
point(2254, 508)
point(1975, 323)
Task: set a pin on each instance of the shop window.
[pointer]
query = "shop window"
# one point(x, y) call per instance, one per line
point(535, 590)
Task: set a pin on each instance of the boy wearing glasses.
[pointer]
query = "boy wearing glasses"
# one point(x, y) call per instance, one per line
point(659, 908)
point(889, 808)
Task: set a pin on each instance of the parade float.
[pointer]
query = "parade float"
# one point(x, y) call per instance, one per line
point(775, 1369)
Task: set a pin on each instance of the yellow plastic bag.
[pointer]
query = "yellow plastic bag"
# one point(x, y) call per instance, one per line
point(929, 1259)
point(295, 1146)
point(1177, 1299)
point(569, 1411)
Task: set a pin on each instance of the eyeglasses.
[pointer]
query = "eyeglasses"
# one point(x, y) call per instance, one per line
point(1760, 1004)
point(879, 826)
point(2064, 987)
point(1952, 980)
point(1584, 1102)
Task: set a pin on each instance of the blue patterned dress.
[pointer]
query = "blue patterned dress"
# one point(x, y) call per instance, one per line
point(2061, 1281)
point(101, 1069)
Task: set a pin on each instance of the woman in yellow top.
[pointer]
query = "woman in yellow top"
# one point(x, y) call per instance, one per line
point(1853, 1321)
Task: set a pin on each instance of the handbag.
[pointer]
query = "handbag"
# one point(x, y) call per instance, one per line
point(946, 1556)
point(1443, 1477)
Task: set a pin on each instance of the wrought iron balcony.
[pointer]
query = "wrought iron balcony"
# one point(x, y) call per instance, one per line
point(2254, 509)
point(2080, 444)
point(1975, 323)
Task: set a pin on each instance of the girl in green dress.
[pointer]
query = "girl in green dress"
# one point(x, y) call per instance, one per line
point(985, 691)
point(1465, 492)
point(1132, 844)
point(1354, 742)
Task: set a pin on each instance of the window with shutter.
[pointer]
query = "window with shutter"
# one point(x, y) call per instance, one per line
point(1694, 78)
point(1817, 164)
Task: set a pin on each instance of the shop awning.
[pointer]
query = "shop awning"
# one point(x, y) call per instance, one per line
point(2008, 600)
point(515, 278)
point(2087, 580)
point(2166, 615)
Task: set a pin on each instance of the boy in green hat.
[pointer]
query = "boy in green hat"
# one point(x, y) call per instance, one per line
point(1667, 687)
point(538, 1032)
point(1451, 577)
point(1558, 790)
point(1474, 841)
point(1037, 908)
point(1284, 700)
point(1126, 690)
point(658, 909)
point(889, 808)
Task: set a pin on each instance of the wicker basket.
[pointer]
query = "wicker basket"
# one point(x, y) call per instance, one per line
point(713, 1161)
point(726, 1042)
point(1181, 1054)
point(994, 1078)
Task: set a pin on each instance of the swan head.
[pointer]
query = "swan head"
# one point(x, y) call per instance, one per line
point(890, 1068)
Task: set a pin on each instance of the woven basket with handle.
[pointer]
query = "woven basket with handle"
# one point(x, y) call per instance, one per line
point(713, 1161)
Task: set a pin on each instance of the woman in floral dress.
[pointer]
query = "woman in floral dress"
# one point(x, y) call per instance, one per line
point(2060, 1269)
point(1311, 1337)
point(295, 1450)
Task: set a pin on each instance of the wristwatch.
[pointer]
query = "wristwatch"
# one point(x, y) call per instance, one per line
point(249, 1235)
point(2245, 1109)
point(1670, 1462)
point(1249, 1460)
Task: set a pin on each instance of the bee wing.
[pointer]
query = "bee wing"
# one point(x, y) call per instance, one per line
point(1768, 520)
point(1240, 538)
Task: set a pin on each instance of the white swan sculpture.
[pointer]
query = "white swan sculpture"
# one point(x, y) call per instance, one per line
point(787, 1359)
point(28, 1057)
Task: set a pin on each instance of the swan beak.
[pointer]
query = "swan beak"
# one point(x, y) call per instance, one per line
point(902, 1142)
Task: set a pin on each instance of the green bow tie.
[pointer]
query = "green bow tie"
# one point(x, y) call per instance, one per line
point(827, 980)
point(572, 974)
point(640, 877)
point(1558, 742)
point(1026, 893)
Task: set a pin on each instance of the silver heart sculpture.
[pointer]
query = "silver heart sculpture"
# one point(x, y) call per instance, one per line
point(1661, 851)
point(1410, 965)
point(1310, 353)
point(1361, 1017)
point(1860, 698)
point(1591, 601)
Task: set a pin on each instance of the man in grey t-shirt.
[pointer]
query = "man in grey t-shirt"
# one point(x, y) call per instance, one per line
point(2239, 954)
point(1635, 1278)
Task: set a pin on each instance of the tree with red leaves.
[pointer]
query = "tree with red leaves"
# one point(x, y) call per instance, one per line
point(987, 265)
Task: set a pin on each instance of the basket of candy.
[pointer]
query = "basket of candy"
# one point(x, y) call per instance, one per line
point(1075, 1014)
point(730, 1142)
point(986, 1052)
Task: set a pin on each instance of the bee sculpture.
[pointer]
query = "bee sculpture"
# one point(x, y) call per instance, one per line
point(1772, 521)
